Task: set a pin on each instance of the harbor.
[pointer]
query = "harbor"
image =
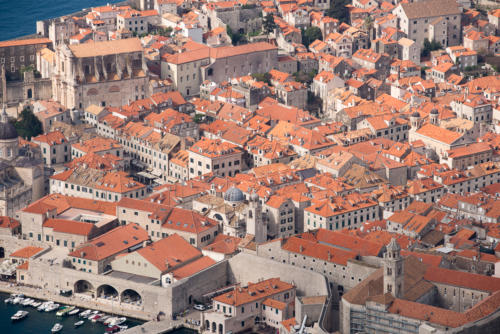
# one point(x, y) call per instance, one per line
point(36, 321)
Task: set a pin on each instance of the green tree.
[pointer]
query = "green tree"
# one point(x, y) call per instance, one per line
point(305, 78)
point(264, 77)
point(236, 38)
point(430, 46)
point(269, 24)
point(368, 23)
point(198, 118)
point(310, 35)
point(27, 125)
point(338, 10)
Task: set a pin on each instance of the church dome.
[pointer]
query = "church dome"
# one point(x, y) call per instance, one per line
point(7, 131)
point(233, 194)
point(415, 114)
point(434, 112)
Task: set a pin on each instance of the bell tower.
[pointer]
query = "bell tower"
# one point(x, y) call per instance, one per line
point(393, 270)
point(256, 223)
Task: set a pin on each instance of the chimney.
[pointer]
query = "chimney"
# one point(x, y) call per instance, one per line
point(301, 248)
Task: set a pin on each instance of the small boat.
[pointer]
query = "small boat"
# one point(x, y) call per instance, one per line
point(57, 327)
point(64, 310)
point(117, 321)
point(51, 307)
point(109, 321)
point(27, 302)
point(44, 306)
point(74, 311)
point(19, 315)
point(103, 318)
point(17, 300)
point(123, 328)
point(85, 313)
point(113, 329)
point(96, 317)
point(79, 323)
point(8, 300)
point(36, 304)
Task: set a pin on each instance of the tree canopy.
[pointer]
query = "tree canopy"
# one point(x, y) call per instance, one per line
point(264, 77)
point(236, 38)
point(430, 46)
point(269, 23)
point(310, 35)
point(28, 125)
point(338, 10)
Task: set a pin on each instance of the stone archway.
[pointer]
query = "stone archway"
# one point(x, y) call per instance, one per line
point(130, 296)
point(83, 286)
point(106, 291)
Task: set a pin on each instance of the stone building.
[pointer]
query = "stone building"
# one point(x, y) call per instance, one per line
point(54, 146)
point(110, 73)
point(408, 295)
point(21, 175)
point(215, 156)
point(236, 216)
point(20, 53)
point(189, 69)
point(239, 19)
point(438, 20)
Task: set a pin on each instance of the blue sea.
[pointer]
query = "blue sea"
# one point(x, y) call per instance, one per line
point(41, 322)
point(18, 17)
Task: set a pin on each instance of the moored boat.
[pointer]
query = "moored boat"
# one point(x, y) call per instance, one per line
point(79, 323)
point(51, 307)
point(64, 310)
point(19, 315)
point(27, 302)
point(117, 321)
point(56, 328)
point(17, 300)
point(74, 311)
point(85, 314)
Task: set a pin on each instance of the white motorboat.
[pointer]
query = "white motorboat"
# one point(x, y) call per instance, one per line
point(96, 317)
point(44, 305)
point(19, 315)
point(108, 321)
point(8, 300)
point(27, 302)
point(79, 323)
point(117, 321)
point(85, 313)
point(103, 318)
point(51, 307)
point(17, 300)
point(36, 304)
point(73, 312)
point(56, 328)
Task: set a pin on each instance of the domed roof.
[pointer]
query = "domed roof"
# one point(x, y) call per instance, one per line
point(415, 114)
point(434, 112)
point(7, 131)
point(233, 194)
